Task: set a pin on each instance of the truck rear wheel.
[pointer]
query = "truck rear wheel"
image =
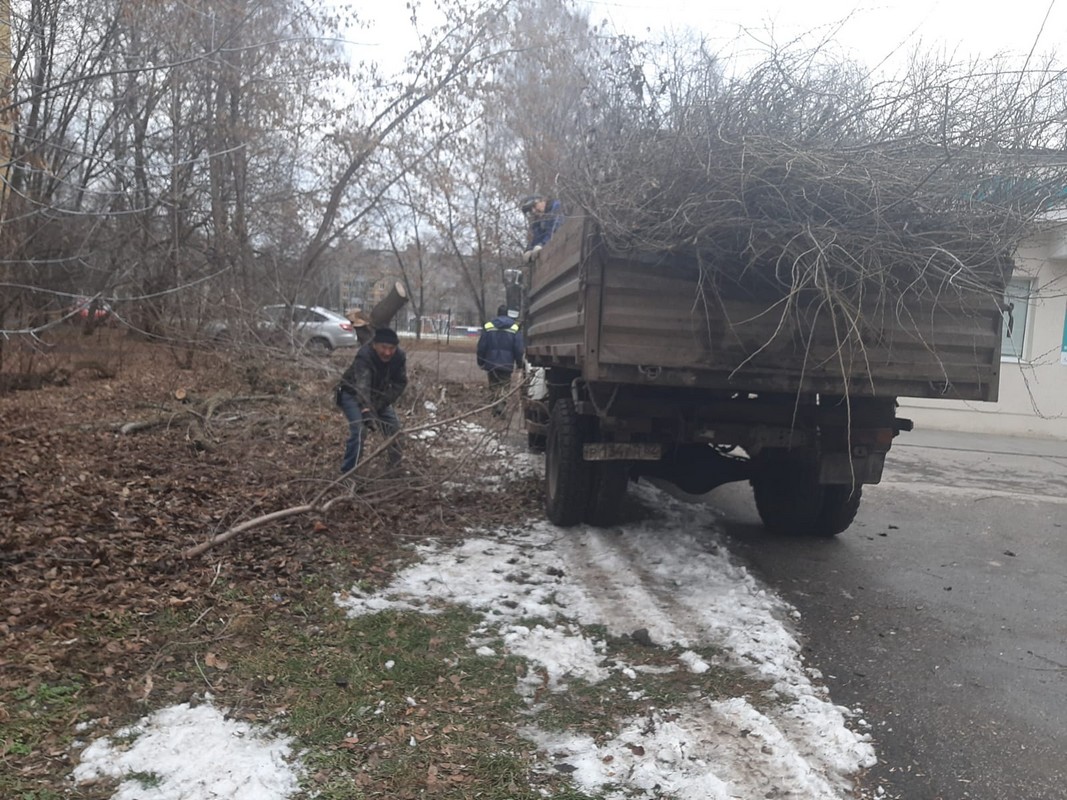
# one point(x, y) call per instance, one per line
point(791, 502)
point(607, 487)
point(788, 496)
point(839, 507)
point(566, 473)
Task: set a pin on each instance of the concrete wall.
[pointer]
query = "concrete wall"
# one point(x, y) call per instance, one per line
point(1033, 390)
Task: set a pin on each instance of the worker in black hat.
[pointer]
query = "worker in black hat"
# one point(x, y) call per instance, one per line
point(367, 391)
point(500, 351)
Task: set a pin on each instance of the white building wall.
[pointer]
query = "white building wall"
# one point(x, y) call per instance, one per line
point(1033, 390)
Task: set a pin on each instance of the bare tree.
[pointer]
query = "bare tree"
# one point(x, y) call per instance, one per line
point(524, 119)
point(153, 146)
point(180, 145)
point(403, 221)
point(455, 62)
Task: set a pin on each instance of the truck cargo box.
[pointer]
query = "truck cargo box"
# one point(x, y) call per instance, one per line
point(656, 320)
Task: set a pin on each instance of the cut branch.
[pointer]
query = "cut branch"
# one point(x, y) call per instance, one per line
point(202, 413)
point(328, 497)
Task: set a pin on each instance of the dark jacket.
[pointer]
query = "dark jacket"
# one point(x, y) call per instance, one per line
point(542, 228)
point(375, 383)
point(500, 345)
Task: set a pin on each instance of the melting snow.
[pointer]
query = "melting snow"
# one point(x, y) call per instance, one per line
point(667, 579)
point(671, 578)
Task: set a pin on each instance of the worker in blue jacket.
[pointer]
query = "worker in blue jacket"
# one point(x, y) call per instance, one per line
point(544, 216)
point(500, 351)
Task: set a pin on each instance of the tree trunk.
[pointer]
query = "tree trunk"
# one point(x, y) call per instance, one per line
point(382, 314)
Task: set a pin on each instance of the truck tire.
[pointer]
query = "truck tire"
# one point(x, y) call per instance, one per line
point(839, 507)
point(535, 414)
point(788, 496)
point(566, 473)
point(607, 487)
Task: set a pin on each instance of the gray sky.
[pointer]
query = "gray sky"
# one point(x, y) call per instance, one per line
point(871, 31)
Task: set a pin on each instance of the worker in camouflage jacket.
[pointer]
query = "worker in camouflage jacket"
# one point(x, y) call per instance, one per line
point(500, 352)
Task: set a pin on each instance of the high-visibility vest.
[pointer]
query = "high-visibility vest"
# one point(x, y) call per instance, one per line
point(489, 326)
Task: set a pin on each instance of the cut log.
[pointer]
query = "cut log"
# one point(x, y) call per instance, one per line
point(360, 324)
point(381, 316)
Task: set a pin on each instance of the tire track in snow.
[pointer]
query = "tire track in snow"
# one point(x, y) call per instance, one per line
point(674, 578)
point(670, 576)
point(605, 578)
point(683, 587)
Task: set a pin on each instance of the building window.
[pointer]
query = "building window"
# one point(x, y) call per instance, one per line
point(1016, 310)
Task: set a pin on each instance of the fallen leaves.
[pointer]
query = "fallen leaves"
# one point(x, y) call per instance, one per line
point(213, 661)
point(92, 525)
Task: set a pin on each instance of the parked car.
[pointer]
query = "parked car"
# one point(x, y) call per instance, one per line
point(316, 328)
point(78, 310)
point(466, 330)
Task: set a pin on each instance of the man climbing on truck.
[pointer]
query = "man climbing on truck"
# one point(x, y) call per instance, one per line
point(544, 215)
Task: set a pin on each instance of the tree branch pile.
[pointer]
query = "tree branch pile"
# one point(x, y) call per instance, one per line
point(801, 175)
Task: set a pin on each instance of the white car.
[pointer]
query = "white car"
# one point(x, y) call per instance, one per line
point(314, 327)
point(317, 328)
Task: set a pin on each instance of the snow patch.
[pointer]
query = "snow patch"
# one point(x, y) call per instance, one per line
point(671, 580)
point(174, 745)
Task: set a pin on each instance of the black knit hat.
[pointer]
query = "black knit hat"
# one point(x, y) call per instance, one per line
point(385, 336)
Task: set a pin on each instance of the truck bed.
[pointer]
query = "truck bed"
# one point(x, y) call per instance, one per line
point(617, 318)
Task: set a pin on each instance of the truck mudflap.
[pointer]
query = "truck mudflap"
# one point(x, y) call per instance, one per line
point(851, 469)
point(857, 456)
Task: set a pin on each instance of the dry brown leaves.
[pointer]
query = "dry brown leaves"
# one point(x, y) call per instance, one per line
point(93, 522)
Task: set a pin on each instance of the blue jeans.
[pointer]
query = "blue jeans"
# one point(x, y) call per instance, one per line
point(390, 424)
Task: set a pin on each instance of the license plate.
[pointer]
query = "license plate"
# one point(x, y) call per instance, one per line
point(622, 451)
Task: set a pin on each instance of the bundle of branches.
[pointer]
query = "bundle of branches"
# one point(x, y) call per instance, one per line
point(798, 176)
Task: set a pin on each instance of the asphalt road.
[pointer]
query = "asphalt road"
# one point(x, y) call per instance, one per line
point(942, 613)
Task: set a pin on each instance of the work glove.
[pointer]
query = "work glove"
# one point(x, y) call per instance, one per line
point(370, 420)
point(531, 254)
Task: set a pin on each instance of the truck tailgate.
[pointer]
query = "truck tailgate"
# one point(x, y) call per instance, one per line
point(622, 319)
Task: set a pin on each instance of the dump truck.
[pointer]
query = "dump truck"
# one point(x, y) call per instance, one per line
point(642, 369)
